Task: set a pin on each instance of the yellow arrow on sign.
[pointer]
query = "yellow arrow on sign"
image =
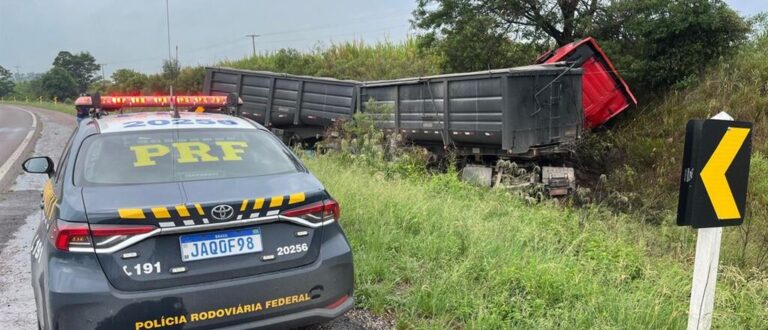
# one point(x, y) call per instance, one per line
point(713, 174)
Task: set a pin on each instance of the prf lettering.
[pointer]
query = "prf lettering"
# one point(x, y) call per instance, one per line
point(189, 152)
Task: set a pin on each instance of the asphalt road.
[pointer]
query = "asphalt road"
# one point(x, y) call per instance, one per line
point(20, 208)
point(15, 123)
point(20, 215)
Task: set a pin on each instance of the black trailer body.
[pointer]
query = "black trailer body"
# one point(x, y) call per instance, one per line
point(294, 107)
point(521, 112)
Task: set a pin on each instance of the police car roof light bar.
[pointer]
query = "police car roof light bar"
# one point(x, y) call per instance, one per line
point(117, 102)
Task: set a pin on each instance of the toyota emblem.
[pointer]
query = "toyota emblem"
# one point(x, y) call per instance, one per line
point(222, 212)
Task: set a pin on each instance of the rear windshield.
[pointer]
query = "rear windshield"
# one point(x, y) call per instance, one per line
point(179, 155)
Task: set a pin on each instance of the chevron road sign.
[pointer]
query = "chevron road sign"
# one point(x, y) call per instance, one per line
point(713, 194)
point(713, 186)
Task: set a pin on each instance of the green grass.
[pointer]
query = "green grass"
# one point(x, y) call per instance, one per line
point(440, 254)
point(648, 146)
point(60, 107)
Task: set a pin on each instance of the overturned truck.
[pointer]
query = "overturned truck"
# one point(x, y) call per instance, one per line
point(521, 112)
point(296, 108)
point(524, 114)
point(529, 114)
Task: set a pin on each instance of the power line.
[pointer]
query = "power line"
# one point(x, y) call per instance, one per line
point(253, 36)
point(338, 35)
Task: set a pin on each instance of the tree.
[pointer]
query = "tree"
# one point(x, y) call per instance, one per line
point(190, 80)
point(665, 43)
point(82, 67)
point(57, 82)
point(101, 86)
point(127, 81)
point(478, 35)
point(561, 20)
point(156, 83)
point(474, 45)
point(657, 44)
point(6, 85)
point(171, 69)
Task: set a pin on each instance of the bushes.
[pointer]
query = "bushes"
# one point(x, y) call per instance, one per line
point(359, 141)
point(649, 143)
point(663, 44)
point(186, 81)
point(350, 60)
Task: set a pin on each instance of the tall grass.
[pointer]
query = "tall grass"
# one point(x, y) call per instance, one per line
point(648, 145)
point(440, 254)
point(349, 60)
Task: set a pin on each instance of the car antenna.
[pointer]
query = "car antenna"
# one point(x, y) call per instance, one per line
point(173, 106)
point(233, 104)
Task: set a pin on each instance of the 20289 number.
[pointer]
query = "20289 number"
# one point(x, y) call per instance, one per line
point(291, 249)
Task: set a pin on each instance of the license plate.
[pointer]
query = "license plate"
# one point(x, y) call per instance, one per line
point(220, 244)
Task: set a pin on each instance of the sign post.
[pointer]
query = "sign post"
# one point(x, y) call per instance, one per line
point(704, 278)
point(713, 192)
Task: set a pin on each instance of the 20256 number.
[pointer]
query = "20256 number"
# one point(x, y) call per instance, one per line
point(291, 249)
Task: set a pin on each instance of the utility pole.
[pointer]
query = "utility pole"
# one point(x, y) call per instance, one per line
point(103, 75)
point(18, 73)
point(253, 42)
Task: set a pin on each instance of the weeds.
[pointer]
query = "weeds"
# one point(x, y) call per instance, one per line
point(646, 154)
point(361, 141)
point(439, 253)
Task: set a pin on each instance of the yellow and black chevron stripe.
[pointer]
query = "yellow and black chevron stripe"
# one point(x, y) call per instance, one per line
point(49, 199)
point(197, 213)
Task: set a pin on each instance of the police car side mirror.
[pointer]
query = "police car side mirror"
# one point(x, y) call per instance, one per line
point(42, 165)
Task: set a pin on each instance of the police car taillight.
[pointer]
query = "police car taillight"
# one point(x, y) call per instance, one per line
point(316, 212)
point(78, 237)
point(63, 233)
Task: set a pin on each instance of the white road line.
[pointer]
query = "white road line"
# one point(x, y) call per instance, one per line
point(16, 154)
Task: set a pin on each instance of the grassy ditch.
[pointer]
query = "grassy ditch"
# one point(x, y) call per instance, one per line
point(645, 147)
point(441, 254)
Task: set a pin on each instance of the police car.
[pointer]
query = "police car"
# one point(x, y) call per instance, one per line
point(162, 220)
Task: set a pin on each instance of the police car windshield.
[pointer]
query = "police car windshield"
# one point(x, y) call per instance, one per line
point(179, 155)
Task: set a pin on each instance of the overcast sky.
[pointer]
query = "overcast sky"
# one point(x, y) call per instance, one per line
point(132, 33)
